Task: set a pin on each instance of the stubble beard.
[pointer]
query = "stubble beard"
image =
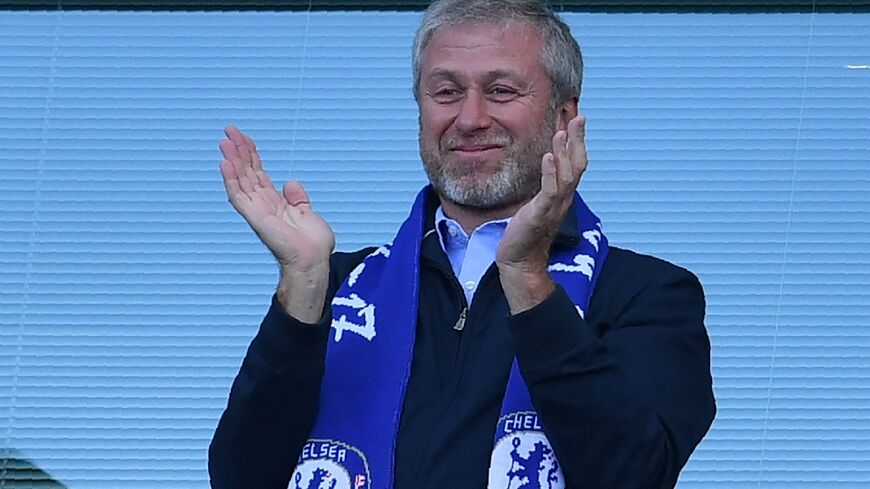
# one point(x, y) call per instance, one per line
point(515, 180)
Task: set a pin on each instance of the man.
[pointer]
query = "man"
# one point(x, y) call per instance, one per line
point(498, 340)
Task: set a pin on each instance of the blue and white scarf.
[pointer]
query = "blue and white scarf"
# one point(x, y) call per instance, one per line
point(368, 363)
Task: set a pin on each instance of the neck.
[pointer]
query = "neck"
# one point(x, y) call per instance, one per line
point(471, 218)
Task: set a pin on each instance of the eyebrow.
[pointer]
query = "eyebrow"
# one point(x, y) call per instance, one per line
point(488, 76)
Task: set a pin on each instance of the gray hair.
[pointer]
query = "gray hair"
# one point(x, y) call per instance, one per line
point(561, 56)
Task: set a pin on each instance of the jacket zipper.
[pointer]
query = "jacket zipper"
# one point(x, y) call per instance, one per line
point(457, 288)
point(460, 323)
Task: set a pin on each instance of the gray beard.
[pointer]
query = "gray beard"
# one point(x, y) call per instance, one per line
point(516, 180)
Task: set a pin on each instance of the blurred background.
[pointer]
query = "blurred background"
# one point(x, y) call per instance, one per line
point(734, 141)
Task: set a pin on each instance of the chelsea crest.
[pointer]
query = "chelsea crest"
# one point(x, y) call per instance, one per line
point(522, 457)
point(330, 464)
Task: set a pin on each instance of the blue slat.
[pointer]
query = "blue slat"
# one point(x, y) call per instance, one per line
point(736, 145)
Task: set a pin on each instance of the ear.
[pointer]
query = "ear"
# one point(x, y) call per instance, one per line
point(566, 112)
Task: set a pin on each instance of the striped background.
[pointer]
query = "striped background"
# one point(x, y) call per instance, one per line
point(737, 145)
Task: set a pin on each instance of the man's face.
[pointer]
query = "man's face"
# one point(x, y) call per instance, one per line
point(485, 116)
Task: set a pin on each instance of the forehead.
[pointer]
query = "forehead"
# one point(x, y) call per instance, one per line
point(485, 48)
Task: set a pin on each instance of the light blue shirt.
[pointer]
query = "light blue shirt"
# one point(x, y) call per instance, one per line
point(470, 257)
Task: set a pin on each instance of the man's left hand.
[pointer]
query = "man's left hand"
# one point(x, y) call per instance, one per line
point(523, 253)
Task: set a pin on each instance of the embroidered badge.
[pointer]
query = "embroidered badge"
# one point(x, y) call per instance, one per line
point(330, 464)
point(522, 457)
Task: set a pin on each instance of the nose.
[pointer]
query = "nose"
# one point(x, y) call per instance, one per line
point(473, 114)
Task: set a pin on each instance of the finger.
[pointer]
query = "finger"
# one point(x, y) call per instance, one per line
point(245, 154)
point(239, 139)
point(577, 145)
point(549, 176)
point(241, 156)
point(295, 195)
point(255, 156)
point(250, 142)
point(235, 135)
point(260, 174)
point(248, 151)
point(228, 173)
point(257, 164)
point(240, 167)
point(229, 150)
point(248, 166)
point(231, 184)
point(564, 172)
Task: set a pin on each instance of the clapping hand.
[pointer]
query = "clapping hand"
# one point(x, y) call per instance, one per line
point(523, 252)
point(297, 236)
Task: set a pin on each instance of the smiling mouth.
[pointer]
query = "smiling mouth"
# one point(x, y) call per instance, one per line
point(477, 149)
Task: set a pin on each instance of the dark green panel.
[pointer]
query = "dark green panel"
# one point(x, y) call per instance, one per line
point(576, 5)
point(16, 473)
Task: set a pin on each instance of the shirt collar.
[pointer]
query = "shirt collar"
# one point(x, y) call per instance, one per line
point(567, 235)
point(450, 232)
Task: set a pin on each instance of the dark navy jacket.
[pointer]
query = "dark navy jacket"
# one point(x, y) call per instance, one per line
point(624, 396)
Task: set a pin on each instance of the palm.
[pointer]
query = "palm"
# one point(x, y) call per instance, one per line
point(524, 231)
point(298, 237)
point(528, 237)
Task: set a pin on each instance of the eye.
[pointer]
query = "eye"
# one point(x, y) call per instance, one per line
point(445, 95)
point(502, 93)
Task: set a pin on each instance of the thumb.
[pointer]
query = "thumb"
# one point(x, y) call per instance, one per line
point(294, 194)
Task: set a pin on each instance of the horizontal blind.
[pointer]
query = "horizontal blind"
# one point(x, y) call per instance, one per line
point(610, 6)
point(735, 145)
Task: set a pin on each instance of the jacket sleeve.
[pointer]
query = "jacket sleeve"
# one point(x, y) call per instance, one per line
point(624, 407)
point(272, 404)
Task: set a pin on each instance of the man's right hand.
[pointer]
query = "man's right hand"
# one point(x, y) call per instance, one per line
point(301, 240)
